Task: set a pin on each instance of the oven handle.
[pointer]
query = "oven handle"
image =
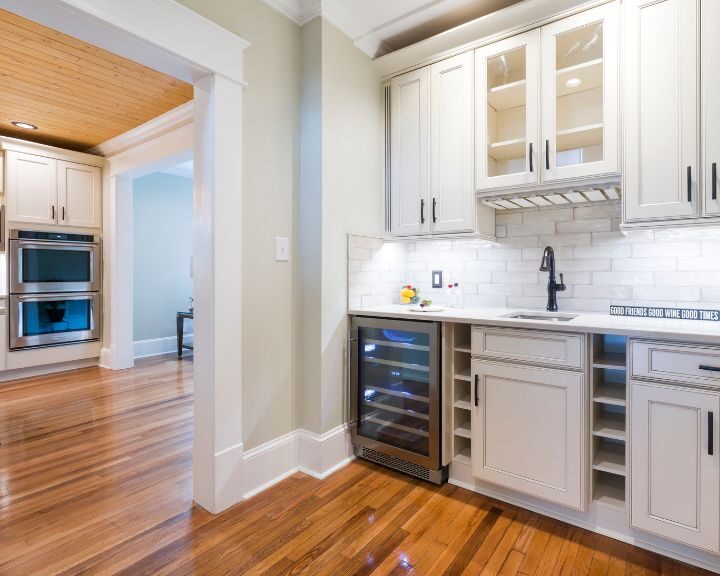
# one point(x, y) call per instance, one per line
point(89, 247)
point(58, 296)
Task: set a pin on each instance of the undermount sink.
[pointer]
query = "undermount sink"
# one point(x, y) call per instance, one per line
point(545, 317)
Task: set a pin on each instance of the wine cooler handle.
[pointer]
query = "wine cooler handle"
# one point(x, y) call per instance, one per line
point(351, 346)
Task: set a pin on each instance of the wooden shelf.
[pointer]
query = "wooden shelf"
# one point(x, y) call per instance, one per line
point(463, 375)
point(610, 425)
point(463, 430)
point(463, 456)
point(610, 393)
point(610, 360)
point(610, 457)
point(589, 73)
point(507, 149)
point(610, 491)
point(579, 137)
point(510, 95)
point(463, 403)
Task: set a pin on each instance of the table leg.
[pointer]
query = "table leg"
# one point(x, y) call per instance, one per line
point(179, 324)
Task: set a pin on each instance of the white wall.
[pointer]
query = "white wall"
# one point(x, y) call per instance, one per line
point(271, 173)
point(602, 265)
point(163, 245)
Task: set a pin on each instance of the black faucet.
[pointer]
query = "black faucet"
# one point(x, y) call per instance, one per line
point(548, 265)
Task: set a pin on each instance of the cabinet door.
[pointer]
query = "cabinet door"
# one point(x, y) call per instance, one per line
point(31, 188)
point(79, 195)
point(507, 122)
point(452, 191)
point(580, 95)
point(660, 166)
point(710, 10)
point(675, 483)
point(527, 428)
point(409, 96)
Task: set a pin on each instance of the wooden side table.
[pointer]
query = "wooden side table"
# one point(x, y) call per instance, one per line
point(180, 324)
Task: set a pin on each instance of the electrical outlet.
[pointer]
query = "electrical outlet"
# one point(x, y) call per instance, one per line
point(437, 279)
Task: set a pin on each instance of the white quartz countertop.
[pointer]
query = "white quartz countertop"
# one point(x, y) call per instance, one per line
point(587, 322)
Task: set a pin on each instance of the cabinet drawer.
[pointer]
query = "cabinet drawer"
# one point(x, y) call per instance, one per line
point(555, 349)
point(679, 363)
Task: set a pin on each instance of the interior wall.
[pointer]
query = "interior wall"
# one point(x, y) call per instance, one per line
point(352, 193)
point(162, 248)
point(271, 188)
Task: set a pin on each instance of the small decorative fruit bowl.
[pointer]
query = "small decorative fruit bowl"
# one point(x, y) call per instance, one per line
point(409, 295)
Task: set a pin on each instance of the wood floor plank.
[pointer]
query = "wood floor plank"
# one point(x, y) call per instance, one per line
point(96, 479)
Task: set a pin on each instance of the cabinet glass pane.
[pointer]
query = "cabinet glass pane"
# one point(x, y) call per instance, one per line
point(394, 383)
point(506, 116)
point(579, 95)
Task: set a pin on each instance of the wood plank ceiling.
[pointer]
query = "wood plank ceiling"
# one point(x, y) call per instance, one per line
point(78, 95)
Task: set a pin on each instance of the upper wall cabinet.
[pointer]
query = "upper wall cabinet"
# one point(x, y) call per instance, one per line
point(431, 151)
point(710, 10)
point(507, 112)
point(580, 95)
point(46, 191)
point(566, 131)
point(661, 155)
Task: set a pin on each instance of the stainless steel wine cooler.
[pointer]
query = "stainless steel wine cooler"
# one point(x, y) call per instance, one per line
point(395, 395)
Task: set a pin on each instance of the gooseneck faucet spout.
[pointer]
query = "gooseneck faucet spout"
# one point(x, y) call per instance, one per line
point(548, 265)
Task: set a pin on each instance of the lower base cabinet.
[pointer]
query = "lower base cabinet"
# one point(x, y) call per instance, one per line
point(675, 463)
point(528, 430)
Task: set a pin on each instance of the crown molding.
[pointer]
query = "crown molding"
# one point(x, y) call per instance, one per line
point(303, 11)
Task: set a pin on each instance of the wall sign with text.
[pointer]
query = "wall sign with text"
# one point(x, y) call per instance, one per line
point(665, 313)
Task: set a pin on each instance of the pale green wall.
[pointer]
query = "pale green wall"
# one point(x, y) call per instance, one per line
point(163, 245)
point(271, 188)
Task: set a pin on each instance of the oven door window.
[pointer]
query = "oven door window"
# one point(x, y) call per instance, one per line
point(56, 316)
point(48, 265)
point(394, 388)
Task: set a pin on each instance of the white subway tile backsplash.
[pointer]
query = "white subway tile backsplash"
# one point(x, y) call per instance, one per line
point(601, 264)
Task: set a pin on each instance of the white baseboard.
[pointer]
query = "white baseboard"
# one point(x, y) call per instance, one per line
point(318, 455)
point(157, 346)
point(18, 373)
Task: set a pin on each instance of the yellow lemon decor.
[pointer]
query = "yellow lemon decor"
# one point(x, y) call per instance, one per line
point(408, 294)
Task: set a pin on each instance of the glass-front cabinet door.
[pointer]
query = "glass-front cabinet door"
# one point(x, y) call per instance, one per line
point(580, 95)
point(396, 388)
point(507, 112)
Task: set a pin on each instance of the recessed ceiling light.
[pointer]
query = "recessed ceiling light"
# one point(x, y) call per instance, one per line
point(573, 82)
point(24, 125)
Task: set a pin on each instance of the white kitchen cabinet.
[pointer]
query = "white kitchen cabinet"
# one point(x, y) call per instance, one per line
point(528, 430)
point(507, 121)
point(31, 194)
point(47, 191)
point(79, 195)
point(710, 10)
point(579, 104)
point(452, 94)
point(409, 103)
point(675, 476)
point(661, 86)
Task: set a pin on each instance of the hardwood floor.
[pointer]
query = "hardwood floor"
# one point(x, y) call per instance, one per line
point(95, 478)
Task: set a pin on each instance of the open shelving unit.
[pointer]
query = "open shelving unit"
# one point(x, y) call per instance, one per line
point(460, 389)
point(608, 378)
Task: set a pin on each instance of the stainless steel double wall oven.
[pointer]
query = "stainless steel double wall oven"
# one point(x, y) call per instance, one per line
point(55, 288)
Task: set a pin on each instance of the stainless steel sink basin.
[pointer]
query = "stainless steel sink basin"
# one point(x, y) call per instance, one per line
point(541, 316)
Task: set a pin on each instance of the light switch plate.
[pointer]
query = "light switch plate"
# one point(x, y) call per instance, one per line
point(437, 279)
point(282, 249)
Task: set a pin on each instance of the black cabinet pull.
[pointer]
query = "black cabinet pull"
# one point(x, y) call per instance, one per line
point(422, 211)
point(530, 158)
point(433, 211)
point(63, 213)
point(53, 212)
point(689, 183)
point(711, 434)
point(714, 180)
point(547, 154)
point(477, 388)
point(709, 368)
